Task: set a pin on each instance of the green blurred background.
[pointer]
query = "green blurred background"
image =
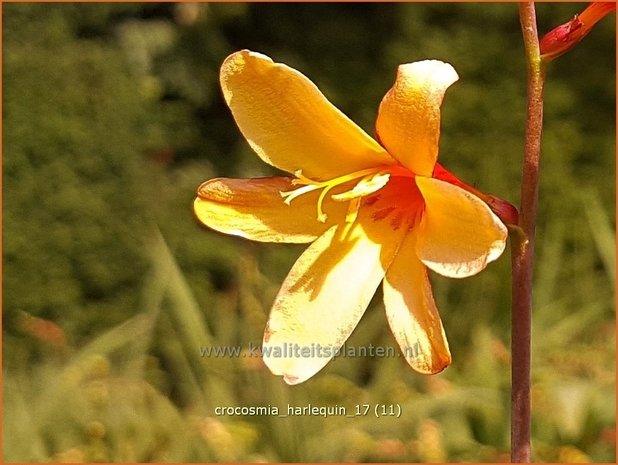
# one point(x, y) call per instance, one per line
point(113, 116)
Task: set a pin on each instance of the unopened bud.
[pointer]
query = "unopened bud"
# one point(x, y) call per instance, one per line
point(566, 36)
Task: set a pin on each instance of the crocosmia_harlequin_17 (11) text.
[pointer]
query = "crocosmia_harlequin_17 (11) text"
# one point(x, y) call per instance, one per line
point(374, 210)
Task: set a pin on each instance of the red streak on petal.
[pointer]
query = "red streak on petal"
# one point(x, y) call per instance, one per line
point(400, 202)
point(383, 213)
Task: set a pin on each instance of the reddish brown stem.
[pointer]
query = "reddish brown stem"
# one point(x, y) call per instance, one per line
point(522, 245)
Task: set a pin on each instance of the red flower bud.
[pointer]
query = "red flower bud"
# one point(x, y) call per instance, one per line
point(566, 36)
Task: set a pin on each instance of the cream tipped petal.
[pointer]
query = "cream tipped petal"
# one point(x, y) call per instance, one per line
point(412, 313)
point(290, 124)
point(254, 209)
point(408, 123)
point(458, 234)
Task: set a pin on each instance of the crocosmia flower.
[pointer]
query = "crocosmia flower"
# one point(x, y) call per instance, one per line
point(374, 210)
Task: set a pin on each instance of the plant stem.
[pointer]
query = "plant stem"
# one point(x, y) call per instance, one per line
point(522, 245)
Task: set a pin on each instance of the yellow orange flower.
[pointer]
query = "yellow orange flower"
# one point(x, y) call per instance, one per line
point(373, 211)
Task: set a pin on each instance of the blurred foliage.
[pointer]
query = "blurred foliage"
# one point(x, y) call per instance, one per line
point(113, 116)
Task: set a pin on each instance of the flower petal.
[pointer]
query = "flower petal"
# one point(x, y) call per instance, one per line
point(458, 234)
point(325, 294)
point(254, 209)
point(289, 122)
point(412, 313)
point(408, 123)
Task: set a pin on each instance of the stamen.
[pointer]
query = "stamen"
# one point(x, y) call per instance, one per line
point(300, 179)
point(322, 217)
point(291, 195)
point(371, 180)
point(368, 185)
point(353, 207)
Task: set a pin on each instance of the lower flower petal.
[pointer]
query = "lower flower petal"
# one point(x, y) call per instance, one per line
point(254, 209)
point(458, 234)
point(412, 313)
point(325, 294)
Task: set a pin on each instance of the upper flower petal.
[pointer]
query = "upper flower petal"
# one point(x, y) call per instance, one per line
point(325, 294)
point(408, 123)
point(458, 234)
point(412, 313)
point(289, 122)
point(254, 209)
